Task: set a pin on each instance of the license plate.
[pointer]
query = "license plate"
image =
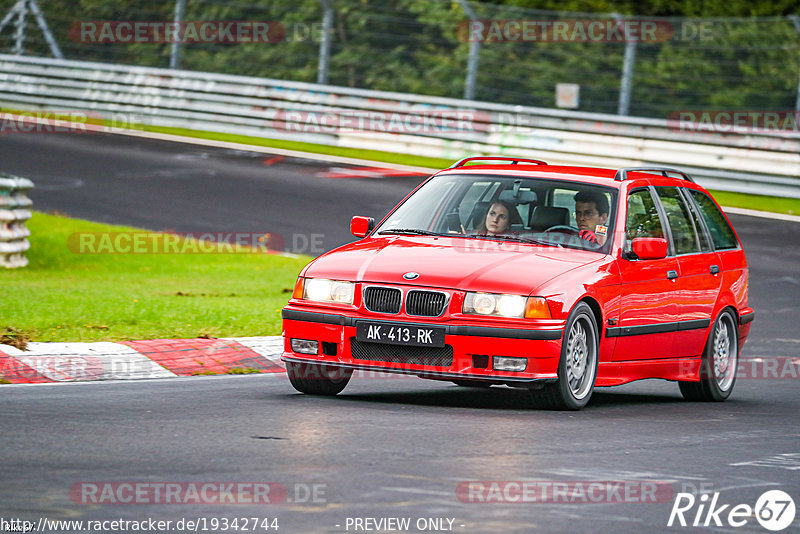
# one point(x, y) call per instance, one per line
point(400, 334)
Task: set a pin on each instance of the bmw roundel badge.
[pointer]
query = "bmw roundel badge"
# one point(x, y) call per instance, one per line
point(411, 276)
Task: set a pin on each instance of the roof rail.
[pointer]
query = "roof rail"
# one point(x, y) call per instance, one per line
point(622, 174)
point(514, 161)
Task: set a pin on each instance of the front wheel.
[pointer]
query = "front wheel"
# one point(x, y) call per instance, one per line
point(720, 359)
point(316, 379)
point(577, 368)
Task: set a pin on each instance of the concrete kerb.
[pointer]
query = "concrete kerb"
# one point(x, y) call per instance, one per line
point(133, 360)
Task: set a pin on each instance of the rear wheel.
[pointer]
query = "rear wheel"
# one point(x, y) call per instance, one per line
point(577, 368)
point(316, 379)
point(720, 359)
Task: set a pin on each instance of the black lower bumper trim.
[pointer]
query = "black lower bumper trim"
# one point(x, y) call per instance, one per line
point(452, 330)
point(747, 318)
point(427, 374)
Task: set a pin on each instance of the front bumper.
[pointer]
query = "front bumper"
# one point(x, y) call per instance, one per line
point(468, 355)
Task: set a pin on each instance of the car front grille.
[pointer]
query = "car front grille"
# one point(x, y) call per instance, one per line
point(382, 299)
point(430, 356)
point(425, 303)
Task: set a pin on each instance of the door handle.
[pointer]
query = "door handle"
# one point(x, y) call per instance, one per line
point(672, 275)
point(714, 269)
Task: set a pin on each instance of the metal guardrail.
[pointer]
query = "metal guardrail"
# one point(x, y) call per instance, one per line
point(758, 162)
point(14, 211)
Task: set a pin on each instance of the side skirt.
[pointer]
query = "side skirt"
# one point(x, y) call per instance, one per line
point(617, 373)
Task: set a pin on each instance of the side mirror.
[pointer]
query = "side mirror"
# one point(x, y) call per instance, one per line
point(649, 248)
point(361, 226)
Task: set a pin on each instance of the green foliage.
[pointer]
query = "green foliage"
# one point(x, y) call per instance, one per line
point(748, 58)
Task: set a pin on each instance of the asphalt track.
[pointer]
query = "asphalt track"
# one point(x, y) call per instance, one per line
point(395, 447)
point(189, 188)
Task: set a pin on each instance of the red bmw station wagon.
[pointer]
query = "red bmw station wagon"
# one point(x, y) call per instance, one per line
point(509, 271)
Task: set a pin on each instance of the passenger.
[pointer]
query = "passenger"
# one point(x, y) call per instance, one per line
point(591, 216)
point(498, 218)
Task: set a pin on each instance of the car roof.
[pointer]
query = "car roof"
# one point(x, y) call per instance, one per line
point(587, 175)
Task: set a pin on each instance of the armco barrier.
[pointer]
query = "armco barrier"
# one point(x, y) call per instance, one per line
point(13, 214)
point(758, 162)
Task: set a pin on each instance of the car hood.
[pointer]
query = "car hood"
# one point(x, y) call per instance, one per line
point(444, 262)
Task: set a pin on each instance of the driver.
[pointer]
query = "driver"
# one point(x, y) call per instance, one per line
point(591, 215)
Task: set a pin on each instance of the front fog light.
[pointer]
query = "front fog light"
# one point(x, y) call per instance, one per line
point(305, 346)
point(503, 363)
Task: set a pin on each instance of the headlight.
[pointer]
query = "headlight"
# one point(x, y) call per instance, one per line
point(322, 290)
point(506, 305)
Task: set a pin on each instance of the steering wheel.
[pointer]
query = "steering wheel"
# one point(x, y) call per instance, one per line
point(563, 227)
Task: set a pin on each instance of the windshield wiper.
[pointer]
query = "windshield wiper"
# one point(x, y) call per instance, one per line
point(519, 239)
point(412, 231)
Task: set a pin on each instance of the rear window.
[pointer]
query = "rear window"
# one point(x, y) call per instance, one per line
point(721, 232)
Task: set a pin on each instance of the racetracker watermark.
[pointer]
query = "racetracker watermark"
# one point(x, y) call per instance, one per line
point(68, 121)
point(736, 122)
point(585, 31)
point(143, 242)
point(564, 492)
point(206, 31)
point(564, 31)
point(202, 492)
point(405, 122)
point(768, 368)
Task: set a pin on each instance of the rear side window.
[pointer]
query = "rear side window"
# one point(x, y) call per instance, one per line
point(721, 232)
point(684, 233)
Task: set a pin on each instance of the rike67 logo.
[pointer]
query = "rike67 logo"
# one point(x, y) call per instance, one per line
point(774, 510)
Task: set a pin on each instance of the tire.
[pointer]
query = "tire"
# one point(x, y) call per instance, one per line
point(720, 360)
point(472, 384)
point(577, 368)
point(316, 379)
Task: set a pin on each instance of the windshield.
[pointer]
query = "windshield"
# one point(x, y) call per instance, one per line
point(542, 211)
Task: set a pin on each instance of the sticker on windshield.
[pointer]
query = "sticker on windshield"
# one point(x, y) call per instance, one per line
point(600, 229)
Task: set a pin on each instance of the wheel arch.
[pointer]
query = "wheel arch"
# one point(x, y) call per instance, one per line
point(597, 311)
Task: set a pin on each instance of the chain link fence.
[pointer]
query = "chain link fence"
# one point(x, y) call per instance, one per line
point(640, 66)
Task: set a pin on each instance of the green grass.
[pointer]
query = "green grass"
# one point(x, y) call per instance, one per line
point(66, 296)
point(790, 206)
point(371, 155)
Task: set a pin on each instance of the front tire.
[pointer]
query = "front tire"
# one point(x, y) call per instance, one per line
point(577, 368)
point(720, 360)
point(316, 379)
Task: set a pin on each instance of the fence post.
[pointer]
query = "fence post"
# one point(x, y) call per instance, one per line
point(19, 33)
point(48, 35)
point(325, 44)
point(175, 54)
point(474, 54)
point(796, 21)
point(626, 83)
